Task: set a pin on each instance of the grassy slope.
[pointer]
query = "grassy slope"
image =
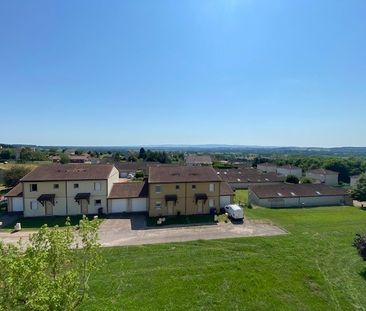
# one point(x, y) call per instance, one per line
point(313, 268)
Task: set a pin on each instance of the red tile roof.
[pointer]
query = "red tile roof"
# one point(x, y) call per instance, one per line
point(172, 174)
point(56, 172)
point(17, 191)
point(225, 189)
point(129, 190)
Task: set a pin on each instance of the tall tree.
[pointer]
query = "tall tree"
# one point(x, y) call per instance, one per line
point(359, 191)
point(142, 154)
point(14, 174)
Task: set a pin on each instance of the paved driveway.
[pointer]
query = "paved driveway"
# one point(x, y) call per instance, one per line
point(132, 231)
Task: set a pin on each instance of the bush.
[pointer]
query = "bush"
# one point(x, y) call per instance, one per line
point(360, 244)
point(14, 174)
point(292, 179)
point(359, 191)
point(305, 180)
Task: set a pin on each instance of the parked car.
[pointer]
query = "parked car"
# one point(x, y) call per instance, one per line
point(234, 211)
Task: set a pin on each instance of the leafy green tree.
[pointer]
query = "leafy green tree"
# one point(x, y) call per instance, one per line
point(360, 243)
point(52, 272)
point(142, 154)
point(359, 191)
point(292, 179)
point(14, 174)
point(64, 158)
point(305, 180)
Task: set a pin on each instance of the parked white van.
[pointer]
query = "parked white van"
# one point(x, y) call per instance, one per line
point(234, 211)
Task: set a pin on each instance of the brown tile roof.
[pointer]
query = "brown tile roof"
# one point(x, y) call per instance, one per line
point(171, 174)
point(225, 189)
point(198, 159)
point(69, 172)
point(322, 171)
point(17, 191)
point(248, 175)
point(129, 190)
point(294, 190)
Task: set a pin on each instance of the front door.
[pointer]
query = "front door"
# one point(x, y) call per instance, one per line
point(199, 206)
point(84, 207)
point(49, 209)
point(170, 208)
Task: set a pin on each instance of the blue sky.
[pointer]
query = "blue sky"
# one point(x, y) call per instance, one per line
point(251, 72)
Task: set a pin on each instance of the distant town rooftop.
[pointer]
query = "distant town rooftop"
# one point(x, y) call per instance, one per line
point(248, 175)
point(322, 171)
point(198, 159)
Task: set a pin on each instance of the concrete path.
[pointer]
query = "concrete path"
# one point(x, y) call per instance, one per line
point(120, 232)
point(132, 231)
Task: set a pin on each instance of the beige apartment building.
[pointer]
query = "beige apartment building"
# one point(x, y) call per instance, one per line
point(183, 190)
point(67, 189)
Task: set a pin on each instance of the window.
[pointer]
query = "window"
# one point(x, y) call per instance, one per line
point(157, 189)
point(211, 187)
point(279, 194)
point(97, 202)
point(211, 203)
point(55, 186)
point(193, 187)
point(76, 186)
point(97, 186)
point(33, 187)
point(157, 204)
point(177, 187)
point(33, 205)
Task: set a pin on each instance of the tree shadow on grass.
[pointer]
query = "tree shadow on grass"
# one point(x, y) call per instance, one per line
point(363, 273)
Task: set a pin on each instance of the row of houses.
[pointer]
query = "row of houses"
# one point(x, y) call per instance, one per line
point(320, 175)
point(73, 189)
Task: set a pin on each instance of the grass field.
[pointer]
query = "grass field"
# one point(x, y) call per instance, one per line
point(241, 197)
point(314, 267)
point(37, 222)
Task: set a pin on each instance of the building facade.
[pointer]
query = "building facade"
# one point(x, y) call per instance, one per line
point(323, 176)
point(57, 190)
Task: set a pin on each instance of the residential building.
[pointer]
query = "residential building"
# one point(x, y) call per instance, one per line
point(245, 177)
point(297, 195)
point(198, 160)
point(15, 199)
point(267, 167)
point(74, 158)
point(183, 190)
point(323, 176)
point(287, 170)
point(128, 197)
point(69, 189)
point(131, 168)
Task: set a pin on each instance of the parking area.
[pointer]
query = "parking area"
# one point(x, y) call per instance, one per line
point(132, 230)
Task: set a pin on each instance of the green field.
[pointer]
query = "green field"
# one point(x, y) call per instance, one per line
point(241, 197)
point(314, 267)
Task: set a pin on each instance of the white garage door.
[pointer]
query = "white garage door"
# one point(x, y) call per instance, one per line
point(119, 205)
point(139, 205)
point(17, 204)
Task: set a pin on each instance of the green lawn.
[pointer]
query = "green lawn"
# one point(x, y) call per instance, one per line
point(176, 220)
point(241, 197)
point(314, 267)
point(37, 222)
